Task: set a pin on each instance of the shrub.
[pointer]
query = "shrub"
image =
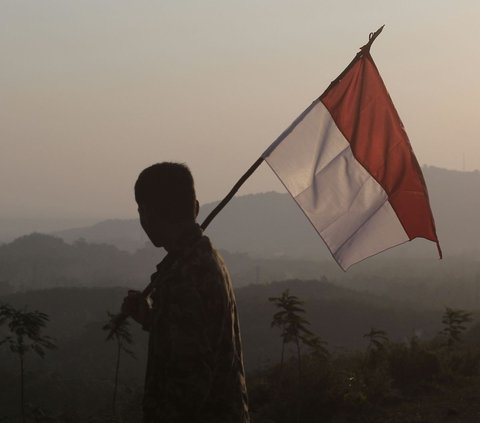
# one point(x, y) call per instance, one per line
point(412, 365)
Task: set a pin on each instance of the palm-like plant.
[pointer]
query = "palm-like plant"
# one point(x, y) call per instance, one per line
point(121, 333)
point(377, 339)
point(25, 335)
point(454, 321)
point(291, 322)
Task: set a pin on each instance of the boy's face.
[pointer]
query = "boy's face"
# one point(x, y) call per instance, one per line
point(156, 228)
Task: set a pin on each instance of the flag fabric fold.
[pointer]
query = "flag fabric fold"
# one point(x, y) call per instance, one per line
point(348, 163)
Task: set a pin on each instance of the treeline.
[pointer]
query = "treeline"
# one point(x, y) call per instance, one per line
point(341, 315)
point(41, 261)
point(416, 380)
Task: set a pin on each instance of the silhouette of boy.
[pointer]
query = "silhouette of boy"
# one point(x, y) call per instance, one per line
point(195, 367)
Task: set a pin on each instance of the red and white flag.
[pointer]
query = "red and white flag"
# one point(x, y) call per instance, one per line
point(348, 163)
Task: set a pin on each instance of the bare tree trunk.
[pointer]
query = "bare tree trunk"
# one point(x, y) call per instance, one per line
point(299, 361)
point(282, 357)
point(299, 390)
point(115, 387)
point(22, 390)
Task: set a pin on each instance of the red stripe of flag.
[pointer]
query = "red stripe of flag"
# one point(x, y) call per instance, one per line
point(364, 112)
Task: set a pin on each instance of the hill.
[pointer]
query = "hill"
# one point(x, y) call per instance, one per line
point(39, 261)
point(271, 224)
point(76, 380)
point(339, 315)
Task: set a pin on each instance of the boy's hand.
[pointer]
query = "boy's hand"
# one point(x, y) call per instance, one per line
point(136, 306)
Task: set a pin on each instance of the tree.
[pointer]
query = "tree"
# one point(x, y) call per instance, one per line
point(377, 340)
point(318, 347)
point(454, 321)
point(121, 333)
point(292, 324)
point(25, 335)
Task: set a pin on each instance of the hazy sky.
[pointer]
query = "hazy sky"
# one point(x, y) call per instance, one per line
point(93, 91)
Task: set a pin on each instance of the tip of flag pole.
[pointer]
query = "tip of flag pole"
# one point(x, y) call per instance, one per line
point(371, 39)
point(440, 253)
point(363, 51)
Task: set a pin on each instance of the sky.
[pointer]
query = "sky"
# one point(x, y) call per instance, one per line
point(93, 91)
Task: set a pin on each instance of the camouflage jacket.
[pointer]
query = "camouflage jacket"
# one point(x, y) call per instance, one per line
point(195, 367)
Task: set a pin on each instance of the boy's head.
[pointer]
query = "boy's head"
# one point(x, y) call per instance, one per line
point(165, 194)
point(167, 189)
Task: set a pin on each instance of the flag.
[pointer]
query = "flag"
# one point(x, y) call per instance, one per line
point(348, 163)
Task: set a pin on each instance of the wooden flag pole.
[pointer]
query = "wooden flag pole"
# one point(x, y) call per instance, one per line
point(363, 50)
point(232, 192)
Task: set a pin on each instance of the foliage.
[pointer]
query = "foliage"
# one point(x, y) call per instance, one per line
point(412, 365)
point(118, 330)
point(317, 346)
point(361, 386)
point(454, 321)
point(25, 335)
point(377, 339)
point(350, 387)
point(25, 328)
point(412, 380)
point(292, 323)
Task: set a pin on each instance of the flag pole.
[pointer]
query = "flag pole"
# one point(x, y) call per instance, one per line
point(363, 50)
point(232, 192)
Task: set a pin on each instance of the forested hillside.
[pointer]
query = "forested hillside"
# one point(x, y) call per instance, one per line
point(74, 382)
point(340, 315)
point(41, 261)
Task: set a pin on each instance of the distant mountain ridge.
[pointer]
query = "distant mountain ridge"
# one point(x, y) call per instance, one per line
point(271, 224)
point(125, 234)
